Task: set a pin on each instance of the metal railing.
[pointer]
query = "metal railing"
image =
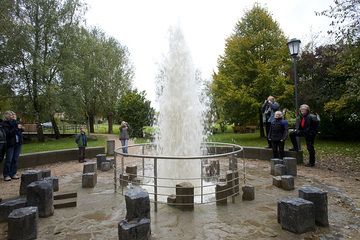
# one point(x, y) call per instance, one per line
point(147, 154)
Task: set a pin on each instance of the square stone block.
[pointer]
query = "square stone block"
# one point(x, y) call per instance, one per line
point(287, 182)
point(296, 215)
point(319, 198)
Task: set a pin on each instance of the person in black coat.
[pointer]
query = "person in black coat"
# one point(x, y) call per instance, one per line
point(268, 109)
point(306, 126)
point(14, 140)
point(277, 135)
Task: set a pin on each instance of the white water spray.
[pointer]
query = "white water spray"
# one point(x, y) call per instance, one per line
point(180, 122)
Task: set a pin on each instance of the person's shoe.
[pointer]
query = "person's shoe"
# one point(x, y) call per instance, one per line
point(15, 177)
point(7, 178)
point(268, 147)
point(293, 149)
point(309, 165)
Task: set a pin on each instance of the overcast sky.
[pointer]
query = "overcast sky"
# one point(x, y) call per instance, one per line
point(142, 26)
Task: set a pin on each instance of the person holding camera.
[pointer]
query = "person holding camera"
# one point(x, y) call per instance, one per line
point(14, 141)
point(306, 126)
point(268, 109)
point(124, 136)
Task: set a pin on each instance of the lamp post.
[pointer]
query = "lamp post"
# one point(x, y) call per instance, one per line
point(294, 48)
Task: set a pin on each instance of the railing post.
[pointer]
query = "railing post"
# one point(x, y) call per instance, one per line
point(201, 180)
point(143, 161)
point(155, 184)
point(122, 173)
point(233, 186)
point(115, 172)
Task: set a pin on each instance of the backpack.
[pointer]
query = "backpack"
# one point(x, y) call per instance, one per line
point(315, 121)
point(2, 135)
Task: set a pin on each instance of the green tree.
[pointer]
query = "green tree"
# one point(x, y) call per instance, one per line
point(342, 111)
point(96, 73)
point(253, 67)
point(136, 110)
point(41, 33)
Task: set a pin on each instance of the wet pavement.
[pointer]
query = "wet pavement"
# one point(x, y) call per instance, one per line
point(99, 209)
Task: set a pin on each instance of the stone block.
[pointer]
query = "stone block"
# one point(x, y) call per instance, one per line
point(171, 200)
point(319, 198)
point(105, 166)
point(54, 181)
point(64, 195)
point(23, 223)
point(131, 171)
point(287, 182)
point(110, 147)
point(248, 193)
point(277, 181)
point(8, 206)
point(89, 180)
point(221, 193)
point(111, 161)
point(296, 215)
point(185, 196)
point(137, 203)
point(279, 170)
point(89, 167)
point(273, 162)
point(40, 194)
point(134, 230)
point(45, 173)
point(28, 177)
point(99, 159)
point(215, 165)
point(291, 166)
point(124, 179)
point(232, 179)
point(65, 203)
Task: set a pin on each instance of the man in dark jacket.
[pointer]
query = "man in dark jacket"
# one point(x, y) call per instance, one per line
point(306, 126)
point(81, 141)
point(14, 140)
point(268, 110)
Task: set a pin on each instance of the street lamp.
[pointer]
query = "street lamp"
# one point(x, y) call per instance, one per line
point(294, 48)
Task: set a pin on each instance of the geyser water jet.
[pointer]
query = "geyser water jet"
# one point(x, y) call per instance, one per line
point(180, 120)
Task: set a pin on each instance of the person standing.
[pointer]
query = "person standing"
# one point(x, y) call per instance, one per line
point(124, 136)
point(81, 140)
point(14, 141)
point(2, 142)
point(277, 135)
point(268, 109)
point(306, 126)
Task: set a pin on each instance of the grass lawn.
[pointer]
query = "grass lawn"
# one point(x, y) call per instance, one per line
point(63, 143)
point(346, 148)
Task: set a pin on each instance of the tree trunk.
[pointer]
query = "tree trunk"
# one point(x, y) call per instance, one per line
point(261, 124)
point(40, 133)
point(55, 127)
point(91, 123)
point(110, 122)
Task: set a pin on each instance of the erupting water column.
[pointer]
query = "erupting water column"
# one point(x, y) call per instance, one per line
point(180, 122)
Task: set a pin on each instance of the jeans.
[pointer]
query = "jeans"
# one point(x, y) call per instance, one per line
point(11, 159)
point(81, 153)
point(278, 149)
point(124, 143)
point(310, 139)
point(267, 129)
